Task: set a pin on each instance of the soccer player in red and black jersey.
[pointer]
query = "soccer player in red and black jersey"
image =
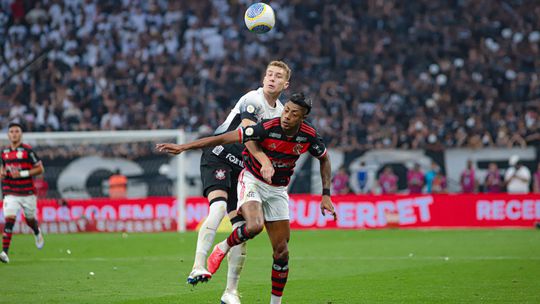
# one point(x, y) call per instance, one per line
point(19, 164)
point(262, 185)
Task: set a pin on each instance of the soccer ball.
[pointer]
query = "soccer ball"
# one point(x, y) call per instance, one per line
point(259, 18)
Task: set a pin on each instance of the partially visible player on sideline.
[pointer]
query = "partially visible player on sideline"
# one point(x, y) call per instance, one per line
point(262, 188)
point(220, 168)
point(19, 164)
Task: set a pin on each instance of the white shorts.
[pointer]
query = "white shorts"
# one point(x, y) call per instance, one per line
point(274, 199)
point(14, 203)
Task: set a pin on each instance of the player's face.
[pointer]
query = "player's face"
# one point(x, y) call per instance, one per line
point(275, 80)
point(15, 135)
point(292, 116)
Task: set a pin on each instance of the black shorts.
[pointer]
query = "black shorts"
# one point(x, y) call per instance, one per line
point(218, 174)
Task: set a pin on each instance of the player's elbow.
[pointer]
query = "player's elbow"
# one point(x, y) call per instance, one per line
point(40, 170)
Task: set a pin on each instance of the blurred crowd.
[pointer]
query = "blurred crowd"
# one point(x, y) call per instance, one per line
point(383, 74)
point(515, 179)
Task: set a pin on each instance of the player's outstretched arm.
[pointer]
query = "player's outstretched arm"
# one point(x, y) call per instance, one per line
point(212, 141)
point(326, 176)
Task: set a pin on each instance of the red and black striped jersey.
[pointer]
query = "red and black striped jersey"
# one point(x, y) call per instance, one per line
point(20, 158)
point(282, 150)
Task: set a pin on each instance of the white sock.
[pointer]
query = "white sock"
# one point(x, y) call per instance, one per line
point(236, 260)
point(207, 233)
point(275, 299)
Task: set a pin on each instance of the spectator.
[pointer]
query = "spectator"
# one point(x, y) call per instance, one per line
point(439, 184)
point(517, 177)
point(468, 179)
point(536, 185)
point(430, 176)
point(415, 179)
point(340, 182)
point(388, 181)
point(426, 82)
point(364, 179)
point(493, 181)
point(118, 185)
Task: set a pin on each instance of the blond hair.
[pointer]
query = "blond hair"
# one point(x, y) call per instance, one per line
point(283, 65)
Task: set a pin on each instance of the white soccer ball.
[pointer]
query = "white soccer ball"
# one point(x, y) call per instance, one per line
point(259, 18)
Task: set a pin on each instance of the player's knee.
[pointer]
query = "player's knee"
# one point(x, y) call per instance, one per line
point(254, 228)
point(281, 252)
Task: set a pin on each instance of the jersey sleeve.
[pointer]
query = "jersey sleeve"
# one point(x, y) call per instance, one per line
point(317, 148)
point(255, 132)
point(34, 158)
point(250, 108)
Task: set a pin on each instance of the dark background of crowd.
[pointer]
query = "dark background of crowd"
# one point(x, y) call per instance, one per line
point(383, 74)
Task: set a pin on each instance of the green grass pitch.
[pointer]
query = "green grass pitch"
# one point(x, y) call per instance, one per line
point(376, 266)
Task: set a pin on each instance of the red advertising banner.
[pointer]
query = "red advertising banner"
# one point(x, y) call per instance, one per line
point(153, 214)
point(156, 214)
point(417, 211)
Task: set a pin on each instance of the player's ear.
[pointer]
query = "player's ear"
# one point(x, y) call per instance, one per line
point(286, 85)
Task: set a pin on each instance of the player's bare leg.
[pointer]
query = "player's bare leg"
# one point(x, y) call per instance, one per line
point(279, 233)
point(6, 238)
point(236, 259)
point(38, 236)
point(207, 233)
point(253, 214)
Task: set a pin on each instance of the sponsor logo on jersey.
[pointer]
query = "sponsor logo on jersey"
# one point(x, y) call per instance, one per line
point(220, 174)
point(274, 135)
point(301, 139)
point(282, 163)
point(217, 150)
point(233, 159)
point(19, 155)
point(272, 146)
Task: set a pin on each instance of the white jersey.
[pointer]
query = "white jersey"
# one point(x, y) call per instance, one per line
point(252, 106)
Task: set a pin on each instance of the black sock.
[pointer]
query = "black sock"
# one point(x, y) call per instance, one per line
point(33, 223)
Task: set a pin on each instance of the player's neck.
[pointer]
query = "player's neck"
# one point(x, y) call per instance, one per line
point(15, 145)
point(271, 99)
point(291, 132)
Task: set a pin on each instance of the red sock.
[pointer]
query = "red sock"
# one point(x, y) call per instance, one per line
point(6, 236)
point(238, 236)
point(280, 272)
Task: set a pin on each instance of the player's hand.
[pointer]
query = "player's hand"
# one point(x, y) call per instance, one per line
point(327, 206)
point(3, 172)
point(170, 148)
point(267, 171)
point(15, 174)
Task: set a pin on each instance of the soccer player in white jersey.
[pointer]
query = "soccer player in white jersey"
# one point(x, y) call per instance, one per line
point(220, 167)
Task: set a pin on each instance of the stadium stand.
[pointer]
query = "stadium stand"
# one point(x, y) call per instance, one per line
point(430, 74)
